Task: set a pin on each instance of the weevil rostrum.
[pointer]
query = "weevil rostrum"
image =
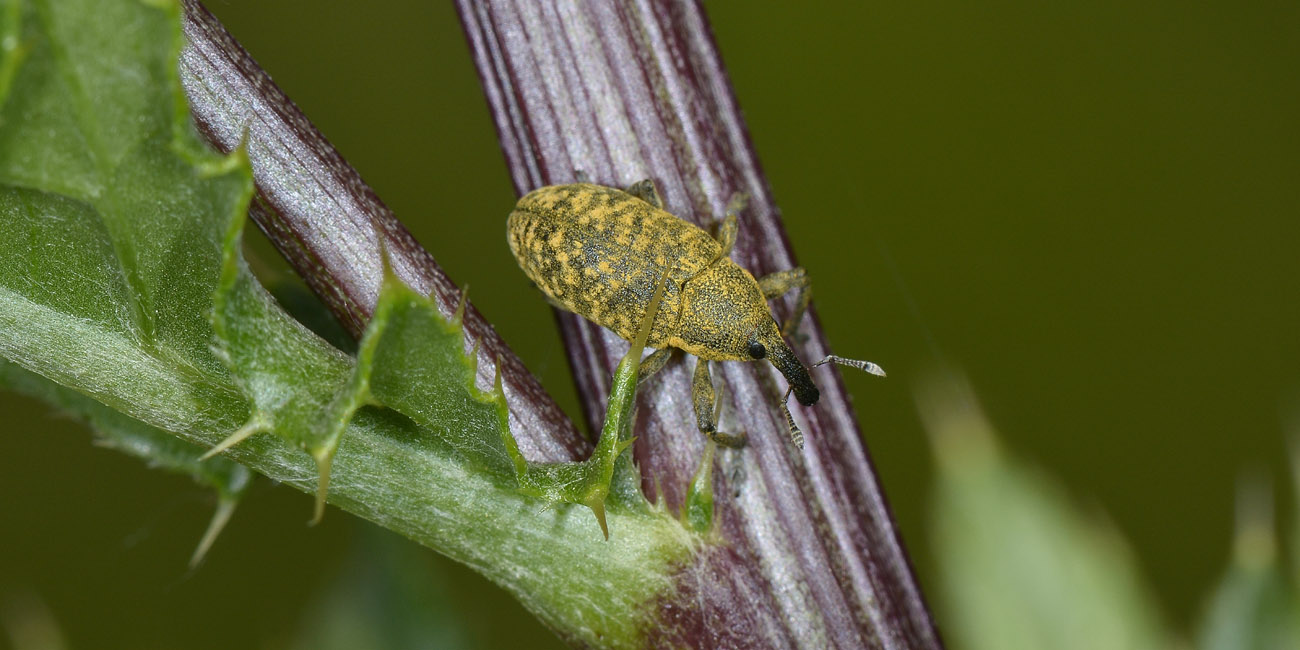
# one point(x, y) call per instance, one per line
point(599, 251)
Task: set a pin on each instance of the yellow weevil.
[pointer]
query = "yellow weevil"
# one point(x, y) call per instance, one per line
point(598, 252)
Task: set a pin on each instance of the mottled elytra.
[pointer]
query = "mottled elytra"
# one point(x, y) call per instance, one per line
point(598, 252)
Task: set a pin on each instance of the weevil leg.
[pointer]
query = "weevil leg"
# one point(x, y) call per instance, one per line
point(654, 362)
point(777, 284)
point(727, 234)
point(727, 229)
point(702, 396)
point(645, 190)
point(737, 203)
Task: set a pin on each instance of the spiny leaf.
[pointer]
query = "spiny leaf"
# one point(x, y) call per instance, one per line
point(121, 282)
point(289, 374)
point(697, 513)
point(412, 360)
point(107, 266)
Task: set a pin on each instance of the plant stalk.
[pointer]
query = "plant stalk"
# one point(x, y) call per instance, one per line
point(623, 91)
point(806, 553)
point(329, 224)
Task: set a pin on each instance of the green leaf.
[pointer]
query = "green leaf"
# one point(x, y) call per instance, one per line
point(290, 375)
point(412, 360)
point(1020, 566)
point(1256, 606)
point(122, 287)
point(104, 281)
point(697, 513)
point(107, 266)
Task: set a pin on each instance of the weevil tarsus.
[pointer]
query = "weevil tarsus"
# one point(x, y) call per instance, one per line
point(737, 203)
point(646, 191)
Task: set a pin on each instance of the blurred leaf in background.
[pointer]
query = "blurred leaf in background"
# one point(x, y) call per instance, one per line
point(1020, 567)
point(1023, 567)
point(28, 624)
point(393, 595)
point(1257, 604)
point(229, 480)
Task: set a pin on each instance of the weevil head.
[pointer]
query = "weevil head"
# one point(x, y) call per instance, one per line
point(724, 317)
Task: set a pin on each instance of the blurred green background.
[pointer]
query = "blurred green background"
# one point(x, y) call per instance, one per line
point(1092, 209)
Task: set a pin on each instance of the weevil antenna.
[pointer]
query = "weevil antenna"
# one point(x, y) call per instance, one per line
point(865, 366)
point(796, 434)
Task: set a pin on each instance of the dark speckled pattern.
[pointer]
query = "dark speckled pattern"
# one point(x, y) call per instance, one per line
point(598, 252)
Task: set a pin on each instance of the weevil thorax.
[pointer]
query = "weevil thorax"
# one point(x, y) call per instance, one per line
point(724, 317)
point(721, 307)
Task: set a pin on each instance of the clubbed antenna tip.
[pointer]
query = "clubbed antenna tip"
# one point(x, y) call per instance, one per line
point(865, 366)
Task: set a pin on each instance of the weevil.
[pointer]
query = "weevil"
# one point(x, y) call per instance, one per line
point(598, 252)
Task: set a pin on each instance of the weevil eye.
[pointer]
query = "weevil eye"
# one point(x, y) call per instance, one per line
point(756, 350)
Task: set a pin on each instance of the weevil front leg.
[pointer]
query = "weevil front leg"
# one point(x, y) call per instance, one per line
point(777, 284)
point(702, 396)
point(645, 190)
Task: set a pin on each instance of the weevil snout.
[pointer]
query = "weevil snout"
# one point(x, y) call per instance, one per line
point(795, 373)
point(781, 356)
